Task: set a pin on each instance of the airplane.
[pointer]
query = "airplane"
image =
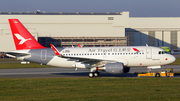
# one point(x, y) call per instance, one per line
point(114, 60)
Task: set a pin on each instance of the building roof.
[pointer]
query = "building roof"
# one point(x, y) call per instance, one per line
point(57, 13)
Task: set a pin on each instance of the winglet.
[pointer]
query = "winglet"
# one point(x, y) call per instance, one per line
point(55, 50)
point(135, 49)
point(79, 45)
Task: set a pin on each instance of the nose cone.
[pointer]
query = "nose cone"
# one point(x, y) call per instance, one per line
point(171, 59)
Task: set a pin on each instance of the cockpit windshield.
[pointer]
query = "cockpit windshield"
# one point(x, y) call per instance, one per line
point(162, 52)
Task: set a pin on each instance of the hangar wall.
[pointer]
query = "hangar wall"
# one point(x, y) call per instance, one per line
point(66, 25)
point(154, 31)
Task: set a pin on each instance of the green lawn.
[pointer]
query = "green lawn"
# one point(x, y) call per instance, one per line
point(10, 59)
point(90, 89)
point(19, 65)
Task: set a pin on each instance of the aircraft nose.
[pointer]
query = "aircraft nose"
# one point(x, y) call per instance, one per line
point(171, 59)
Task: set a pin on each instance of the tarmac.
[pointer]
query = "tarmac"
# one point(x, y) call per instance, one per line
point(72, 73)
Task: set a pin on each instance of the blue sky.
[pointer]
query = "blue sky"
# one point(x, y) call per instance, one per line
point(137, 8)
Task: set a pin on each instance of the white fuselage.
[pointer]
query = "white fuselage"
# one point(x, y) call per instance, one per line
point(146, 56)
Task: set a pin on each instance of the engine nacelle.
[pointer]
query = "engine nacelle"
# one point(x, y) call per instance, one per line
point(114, 68)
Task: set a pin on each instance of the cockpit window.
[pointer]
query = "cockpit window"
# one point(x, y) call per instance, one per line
point(162, 52)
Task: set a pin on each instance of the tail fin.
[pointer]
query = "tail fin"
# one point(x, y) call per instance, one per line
point(22, 38)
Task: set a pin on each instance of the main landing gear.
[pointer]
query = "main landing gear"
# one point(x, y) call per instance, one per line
point(93, 72)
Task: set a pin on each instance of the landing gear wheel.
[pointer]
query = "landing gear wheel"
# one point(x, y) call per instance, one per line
point(91, 74)
point(96, 74)
point(157, 75)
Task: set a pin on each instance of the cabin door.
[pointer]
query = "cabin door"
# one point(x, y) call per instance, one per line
point(43, 55)
point(148, 53)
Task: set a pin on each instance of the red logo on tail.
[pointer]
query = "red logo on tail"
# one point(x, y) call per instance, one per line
point(22, 38)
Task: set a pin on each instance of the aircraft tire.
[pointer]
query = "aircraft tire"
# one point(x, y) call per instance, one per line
point(96, 74)
point(91, 75)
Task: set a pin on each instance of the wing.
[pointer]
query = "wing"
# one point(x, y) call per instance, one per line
point(91, 61)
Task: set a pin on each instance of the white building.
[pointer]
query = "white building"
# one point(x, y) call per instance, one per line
point(97, 29)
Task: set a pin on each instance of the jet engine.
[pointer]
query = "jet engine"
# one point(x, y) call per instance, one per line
point(116, 68)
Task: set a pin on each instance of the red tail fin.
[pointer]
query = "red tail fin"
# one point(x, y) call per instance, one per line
point(22, 38)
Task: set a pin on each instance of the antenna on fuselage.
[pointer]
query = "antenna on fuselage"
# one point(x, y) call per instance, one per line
point(147, 45)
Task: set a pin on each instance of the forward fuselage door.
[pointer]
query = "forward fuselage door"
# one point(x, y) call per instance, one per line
point(43, 55)
point(148, 53)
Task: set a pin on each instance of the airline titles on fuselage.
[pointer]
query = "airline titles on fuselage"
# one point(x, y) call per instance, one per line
point(110, 50)
point(104, 50)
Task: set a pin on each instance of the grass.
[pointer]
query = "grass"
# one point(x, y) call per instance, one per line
point(19, 65)
point(86, 89)
point(8, 59)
